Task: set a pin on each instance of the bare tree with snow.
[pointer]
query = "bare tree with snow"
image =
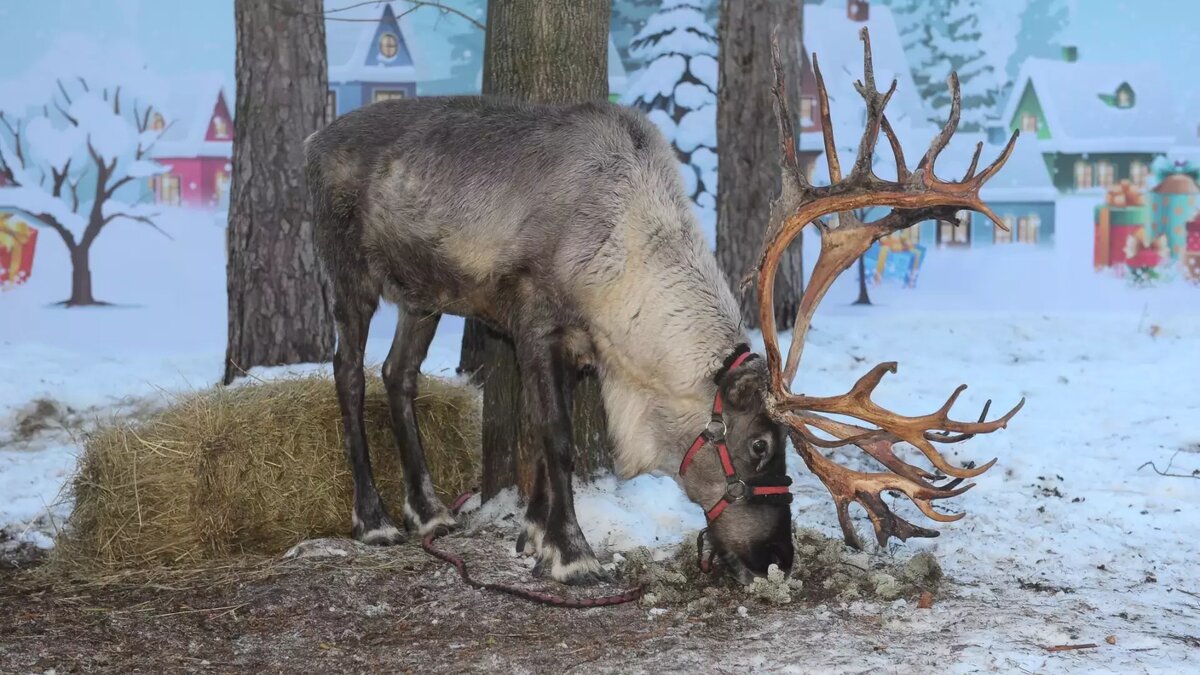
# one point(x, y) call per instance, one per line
point(70, 164)
point(678, 89)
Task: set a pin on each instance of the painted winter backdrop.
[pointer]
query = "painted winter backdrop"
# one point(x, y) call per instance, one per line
point(115, 173)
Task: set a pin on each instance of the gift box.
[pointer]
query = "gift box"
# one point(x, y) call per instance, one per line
point(893, 261)
point(1122, 214)
point(1175, 203)
point(1193, 236)
point(17, 243)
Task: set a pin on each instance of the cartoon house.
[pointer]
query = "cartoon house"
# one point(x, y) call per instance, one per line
point(1097, 123)
point(1021, 194)
point(196, 147)
point(373, 56)
point(379, 51)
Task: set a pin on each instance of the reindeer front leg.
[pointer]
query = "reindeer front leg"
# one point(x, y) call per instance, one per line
point(551, 530)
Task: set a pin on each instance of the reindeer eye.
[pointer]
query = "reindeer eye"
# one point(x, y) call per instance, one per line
point(759, 447)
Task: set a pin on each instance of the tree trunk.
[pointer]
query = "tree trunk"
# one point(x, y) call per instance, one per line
point(748, 145)
point(863, 297)
point(545, 52)
point(81, 277)
point(279, 302)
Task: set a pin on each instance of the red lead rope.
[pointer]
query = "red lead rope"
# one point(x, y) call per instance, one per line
point(524, 594)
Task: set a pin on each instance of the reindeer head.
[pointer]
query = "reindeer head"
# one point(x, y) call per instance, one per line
point(736, 471)
point(914, 196)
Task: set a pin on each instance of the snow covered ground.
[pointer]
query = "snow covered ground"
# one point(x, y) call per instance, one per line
point(1069, 539)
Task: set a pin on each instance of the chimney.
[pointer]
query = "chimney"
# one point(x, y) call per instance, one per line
point(1070, 53)
point(858, 10)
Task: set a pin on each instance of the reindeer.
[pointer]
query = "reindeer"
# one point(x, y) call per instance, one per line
point(567, 229)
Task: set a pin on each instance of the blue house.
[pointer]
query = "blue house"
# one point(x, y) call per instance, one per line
point(1022, 194)
point(371, 59)
point(384, 50)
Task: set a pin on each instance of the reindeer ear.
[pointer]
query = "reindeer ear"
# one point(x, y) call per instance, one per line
point(742, 387)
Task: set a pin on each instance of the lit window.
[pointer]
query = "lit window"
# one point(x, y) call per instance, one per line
point(1083, 175)
point(957, 233)
point(330, 106)
point(1124, 100)
point(1003, 236)
point(389, 46)
point(1027, 228)
point(387, 95)
point(1029, 122)
point(220, 128)
point(157, 123)
point(1139, 173)
point(166, 189)
point(1106, 174)
point(807, 108)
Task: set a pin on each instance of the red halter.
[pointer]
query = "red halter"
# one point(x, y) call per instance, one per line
point(758, 489)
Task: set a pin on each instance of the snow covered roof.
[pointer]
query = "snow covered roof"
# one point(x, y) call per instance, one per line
point(187, 111)
point(834, 38)
point(1079, 120)
point(351, 43)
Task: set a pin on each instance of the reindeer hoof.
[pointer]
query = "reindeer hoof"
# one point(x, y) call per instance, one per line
point(439, 518)
point(384, 535)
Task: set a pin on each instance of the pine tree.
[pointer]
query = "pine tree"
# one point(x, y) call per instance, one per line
point(915, 21)
point(678, 89)
point(957, 43)
point(628, 19)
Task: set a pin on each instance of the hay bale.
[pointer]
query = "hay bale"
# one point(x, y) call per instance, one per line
point(250, 470)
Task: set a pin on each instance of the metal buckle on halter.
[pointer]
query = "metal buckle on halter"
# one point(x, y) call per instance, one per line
point(711, 428)
point(736, 489)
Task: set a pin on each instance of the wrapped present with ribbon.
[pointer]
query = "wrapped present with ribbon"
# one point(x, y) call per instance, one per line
point(1176, 202)
point(1123, 212)
point(1193, 235)
point(17, 243)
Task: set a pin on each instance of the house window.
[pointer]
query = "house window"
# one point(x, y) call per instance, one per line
point(330, 106)
point(1139, 173)
point(1124, 99)
point(1029, 122)
point(166, 189)
point(1083, 175)
point(157, 123)
point(1027, 228)
point(1003, 236)
point(957, 233)
point(220, 128)
point(389, 46)
point(1106, 174)
point(387, 95)
point(220, 186)
point(807, 108)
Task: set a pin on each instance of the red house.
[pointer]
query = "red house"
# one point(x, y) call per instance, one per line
point(196, 147)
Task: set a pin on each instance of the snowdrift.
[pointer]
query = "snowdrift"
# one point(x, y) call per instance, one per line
point(250, 470)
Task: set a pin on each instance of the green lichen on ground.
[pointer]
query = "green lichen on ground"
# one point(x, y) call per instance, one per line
point(823, 570)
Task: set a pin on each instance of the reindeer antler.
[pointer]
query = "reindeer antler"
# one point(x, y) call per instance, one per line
point(914, 196)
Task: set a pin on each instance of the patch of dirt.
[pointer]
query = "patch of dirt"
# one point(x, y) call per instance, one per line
point(344, 607)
